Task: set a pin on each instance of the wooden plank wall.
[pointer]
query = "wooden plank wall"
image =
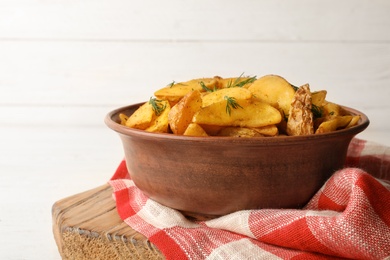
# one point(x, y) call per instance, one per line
point(65, 64)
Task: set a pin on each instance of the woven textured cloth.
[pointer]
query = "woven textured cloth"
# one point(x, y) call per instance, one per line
point(349, 217)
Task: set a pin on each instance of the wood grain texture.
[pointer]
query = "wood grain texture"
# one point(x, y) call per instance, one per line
point(65, 64)
point(87, 226)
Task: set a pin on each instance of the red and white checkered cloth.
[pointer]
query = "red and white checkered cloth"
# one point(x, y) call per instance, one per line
point(349, 217)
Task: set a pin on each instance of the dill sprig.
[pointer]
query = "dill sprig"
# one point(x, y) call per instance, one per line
point(175, 83)
point(240, 84)
point(157, 105)
point(207, 89)
point(171, 84)
point(231, 103)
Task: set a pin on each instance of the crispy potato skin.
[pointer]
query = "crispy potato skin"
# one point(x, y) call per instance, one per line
point(300, 119)
point(181, 114)
point(334, 123)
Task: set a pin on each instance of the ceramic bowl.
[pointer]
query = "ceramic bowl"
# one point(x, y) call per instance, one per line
point(206, 177)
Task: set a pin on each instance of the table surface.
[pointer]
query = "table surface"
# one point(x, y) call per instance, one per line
point(65, 64)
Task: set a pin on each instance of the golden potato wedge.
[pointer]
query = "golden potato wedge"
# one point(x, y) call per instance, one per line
point(195, 130)
point(318, 98)
point(274, 90)
point(141, 118)
point(160, 121)
point(243, 113)
point(333, 124)
point(176, 91)
point(330, 109)
point(181, 114)
point(235, 131)
point(354, 121)
point(219, 95)
point(123, 119)
point(269, 130)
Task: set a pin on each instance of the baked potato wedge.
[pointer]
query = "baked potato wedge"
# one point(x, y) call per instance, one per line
point(354, 121)
point(318, 98)
point(195, 130)
point(142, 118)
point(123, 118)
point(269, 130)
point(219, 95)
point(234, 131)
point(333, 124)
point(274, 90)
point(181, 114)
point(238, 112)
point(176, 91)
point(159, 123)
point(330, 110)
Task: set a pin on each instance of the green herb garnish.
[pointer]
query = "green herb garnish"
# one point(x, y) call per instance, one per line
point(171, 84)
point(231, 103)
point(174, 83)
point(240, 84)
point(207, 89)
point(157, 105)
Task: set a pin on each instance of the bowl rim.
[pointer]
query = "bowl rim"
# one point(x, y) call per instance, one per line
point(124, 130)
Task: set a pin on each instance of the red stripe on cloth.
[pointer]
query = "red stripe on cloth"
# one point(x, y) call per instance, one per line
point(378, 196)
point(297, 235)
point(167, 246)
point(121, 172)
point(326, 204)
point(313, 256)
point(200, 242)
point(122, 199)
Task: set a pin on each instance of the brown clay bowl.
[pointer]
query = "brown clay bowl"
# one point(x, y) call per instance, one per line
point(206, 177)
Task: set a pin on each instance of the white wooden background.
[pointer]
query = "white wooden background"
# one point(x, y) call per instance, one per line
point(65, 63)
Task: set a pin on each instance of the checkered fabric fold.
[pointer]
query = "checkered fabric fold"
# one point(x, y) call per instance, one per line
point(349, 217)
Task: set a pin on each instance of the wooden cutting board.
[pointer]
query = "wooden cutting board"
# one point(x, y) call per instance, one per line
point(87, 226)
